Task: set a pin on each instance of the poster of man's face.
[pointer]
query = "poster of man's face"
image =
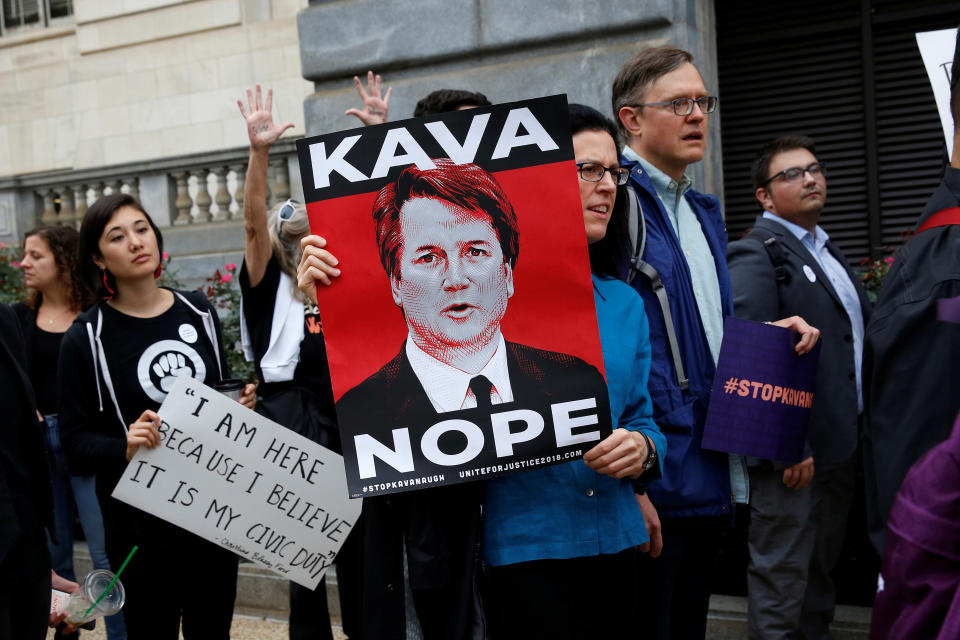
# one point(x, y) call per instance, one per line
point(450, 272)
point(436, 383)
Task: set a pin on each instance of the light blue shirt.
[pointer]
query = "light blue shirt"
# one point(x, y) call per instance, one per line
point(703, 276)
point(816, 244)
point(703, 268)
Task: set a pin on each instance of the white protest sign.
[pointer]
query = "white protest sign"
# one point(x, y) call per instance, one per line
point(248, 484)
point(936, 49)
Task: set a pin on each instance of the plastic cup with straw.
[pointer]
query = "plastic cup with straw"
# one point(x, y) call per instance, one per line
point(110, 600)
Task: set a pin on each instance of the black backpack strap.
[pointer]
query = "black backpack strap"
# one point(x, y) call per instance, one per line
point(638, 229)
point(774, 250)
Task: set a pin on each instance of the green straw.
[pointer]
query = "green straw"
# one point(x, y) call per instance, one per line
point(112, 582)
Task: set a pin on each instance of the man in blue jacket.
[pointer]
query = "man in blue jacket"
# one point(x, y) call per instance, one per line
point(663, 109)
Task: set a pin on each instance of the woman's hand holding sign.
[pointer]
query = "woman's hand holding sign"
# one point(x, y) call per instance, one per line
point(808, 334)
point(619, 455)
point(144, 432)
point(316, 265)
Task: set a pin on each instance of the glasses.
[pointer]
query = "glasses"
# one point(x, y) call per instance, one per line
point(286, 212)
point(684, 106)
point(793, 174)
point(593, 172)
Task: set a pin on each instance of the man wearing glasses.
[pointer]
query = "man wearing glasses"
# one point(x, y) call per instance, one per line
point(663, 109)
point(787, 264)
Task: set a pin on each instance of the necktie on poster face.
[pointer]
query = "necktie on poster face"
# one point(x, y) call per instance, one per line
point(482, 387)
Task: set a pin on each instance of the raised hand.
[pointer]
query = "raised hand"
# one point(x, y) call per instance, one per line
point(375, 107)
point(262, 130)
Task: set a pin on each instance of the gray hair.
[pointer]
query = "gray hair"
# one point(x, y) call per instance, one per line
point(286, 244)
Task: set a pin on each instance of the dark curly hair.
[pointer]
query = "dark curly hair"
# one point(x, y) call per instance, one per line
point(63, 243)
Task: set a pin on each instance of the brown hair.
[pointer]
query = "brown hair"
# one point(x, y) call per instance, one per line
point(63, 243)
point(640, 72)
point(465, 185)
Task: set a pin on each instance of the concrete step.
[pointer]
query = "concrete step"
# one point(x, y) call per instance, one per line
point(262, 593)
point(727, 620)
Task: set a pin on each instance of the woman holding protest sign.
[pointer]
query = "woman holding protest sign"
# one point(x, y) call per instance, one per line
point(560, 542)
point(117, 363)
point(282, 334)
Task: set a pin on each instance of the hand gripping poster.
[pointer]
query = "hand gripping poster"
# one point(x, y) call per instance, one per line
point(461, 334)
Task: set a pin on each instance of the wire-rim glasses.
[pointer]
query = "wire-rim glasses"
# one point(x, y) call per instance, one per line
point(684, 106)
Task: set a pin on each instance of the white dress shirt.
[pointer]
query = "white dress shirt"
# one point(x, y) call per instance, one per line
point(448, 388)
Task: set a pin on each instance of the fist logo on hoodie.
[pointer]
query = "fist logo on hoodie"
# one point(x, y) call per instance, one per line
point(163, 362)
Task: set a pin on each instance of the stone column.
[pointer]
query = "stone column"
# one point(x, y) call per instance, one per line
point(67, 213)
point(80, 201)
point(281, 180)
point(49, 215)
point(203, 199)
point(183, 202)
point(241, 172)
point(223, 196)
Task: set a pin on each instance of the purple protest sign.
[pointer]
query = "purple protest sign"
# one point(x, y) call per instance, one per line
point(762, 393)
point(948, 310)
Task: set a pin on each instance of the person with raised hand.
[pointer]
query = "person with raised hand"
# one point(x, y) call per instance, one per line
point(282, 335)
point(375, 103)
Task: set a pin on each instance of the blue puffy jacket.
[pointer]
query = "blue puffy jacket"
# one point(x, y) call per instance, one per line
point(695, 482)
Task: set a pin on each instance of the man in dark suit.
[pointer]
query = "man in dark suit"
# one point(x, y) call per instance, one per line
point(787, 265)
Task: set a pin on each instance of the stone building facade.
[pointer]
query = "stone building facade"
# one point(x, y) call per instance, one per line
point(140, 95)
point(506, 49)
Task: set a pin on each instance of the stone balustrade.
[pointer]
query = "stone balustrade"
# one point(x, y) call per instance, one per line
point(190, 190)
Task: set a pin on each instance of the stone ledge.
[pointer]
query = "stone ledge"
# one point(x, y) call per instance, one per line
point(336, 38)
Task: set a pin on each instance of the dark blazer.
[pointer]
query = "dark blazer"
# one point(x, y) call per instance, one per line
point(833, 428)
point(441, 525)
point(26, 499)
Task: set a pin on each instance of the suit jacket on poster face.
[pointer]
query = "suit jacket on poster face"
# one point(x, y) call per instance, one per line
point(441, 525)
point(832, 432)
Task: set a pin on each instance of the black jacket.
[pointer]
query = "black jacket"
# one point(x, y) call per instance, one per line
point(26, 498)
point(833, 427)
point(911, 360)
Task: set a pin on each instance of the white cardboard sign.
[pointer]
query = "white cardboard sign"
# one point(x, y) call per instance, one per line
point(248, 484)
point(936, 49)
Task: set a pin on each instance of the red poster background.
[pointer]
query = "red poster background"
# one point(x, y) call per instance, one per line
point(552, 307)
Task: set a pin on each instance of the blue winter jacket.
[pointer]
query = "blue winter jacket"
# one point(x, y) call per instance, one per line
point(695, 482)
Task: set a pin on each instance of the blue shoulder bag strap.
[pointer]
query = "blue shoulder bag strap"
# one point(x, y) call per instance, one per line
point(638, 230)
